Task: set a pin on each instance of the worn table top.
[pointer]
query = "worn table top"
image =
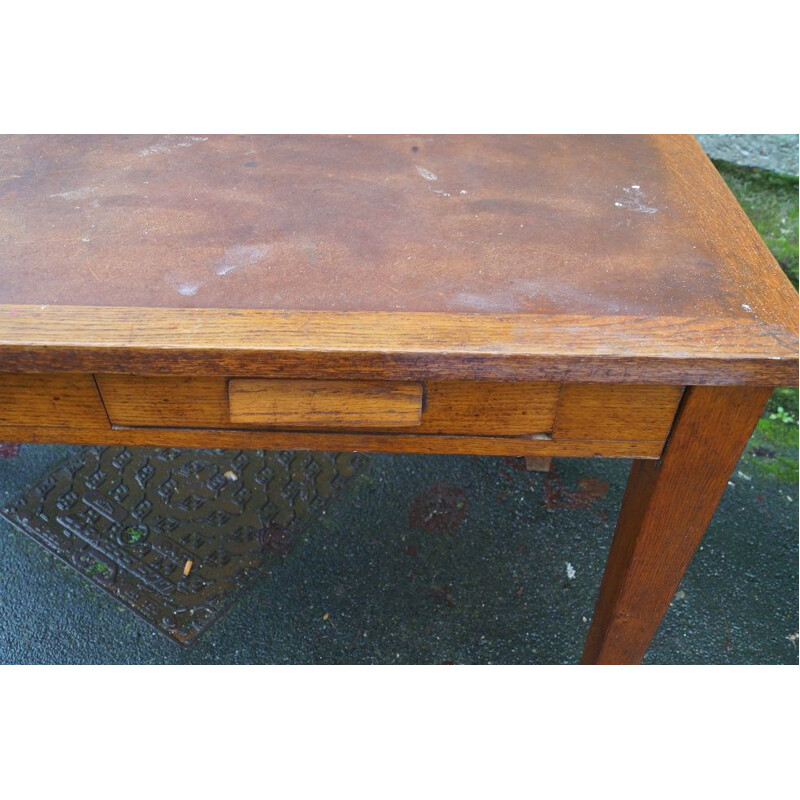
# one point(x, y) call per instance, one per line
point(569, 247)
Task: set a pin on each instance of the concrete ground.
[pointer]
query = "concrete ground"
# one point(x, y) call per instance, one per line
point(508, 571)
point(773, 151)
point(508, 576)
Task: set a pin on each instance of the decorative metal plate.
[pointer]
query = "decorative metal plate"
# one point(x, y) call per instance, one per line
point(132, 520)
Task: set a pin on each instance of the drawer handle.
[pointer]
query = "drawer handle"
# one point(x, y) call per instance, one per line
point(327, 404)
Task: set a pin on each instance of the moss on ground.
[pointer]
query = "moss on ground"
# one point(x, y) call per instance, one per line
point(771, 202)
point(772, 451)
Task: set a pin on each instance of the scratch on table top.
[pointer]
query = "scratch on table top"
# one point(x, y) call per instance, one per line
point(241, 255)
point(155, 148)
point(76, 194)
point(169, 143)
point(427, 174)
point(635, 200)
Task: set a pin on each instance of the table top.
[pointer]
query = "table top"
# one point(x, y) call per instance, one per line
point(604, 257)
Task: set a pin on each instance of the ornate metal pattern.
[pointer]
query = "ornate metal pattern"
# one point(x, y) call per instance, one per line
point(131, 520)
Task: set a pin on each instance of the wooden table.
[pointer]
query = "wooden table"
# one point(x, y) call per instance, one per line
point(494, 295)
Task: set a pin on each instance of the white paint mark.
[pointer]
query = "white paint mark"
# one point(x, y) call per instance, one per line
point(154, 148)
point(182, 141)
point(187, 289)
point(231, 475)
point(481, 302)
point(241, 256)
point(76, 194)
point(635, 200)
point(747, 308)
point(463, 191)
point(570, 571)
point(86, 239)
point(427, 174)
point(441, 192)
point(188, 141)
point(742, 475)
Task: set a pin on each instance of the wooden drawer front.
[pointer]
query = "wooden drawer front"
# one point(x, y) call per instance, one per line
point(450, 407)
point(52, 400)
point(615, 412)
point(325, 404)
point(481, 417)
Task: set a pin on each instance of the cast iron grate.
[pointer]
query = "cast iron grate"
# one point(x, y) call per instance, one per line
point(131, 520)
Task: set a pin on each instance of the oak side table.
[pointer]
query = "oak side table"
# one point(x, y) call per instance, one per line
point(494, 295)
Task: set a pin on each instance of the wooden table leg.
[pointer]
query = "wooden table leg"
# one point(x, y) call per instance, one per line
point(538, 463)
point(667, 506)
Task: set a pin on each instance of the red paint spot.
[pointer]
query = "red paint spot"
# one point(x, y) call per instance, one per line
point(589, 491)
point(442, 507)
point(9, 449)
point(443, 595)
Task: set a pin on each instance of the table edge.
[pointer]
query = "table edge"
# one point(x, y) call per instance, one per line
point(397, 345)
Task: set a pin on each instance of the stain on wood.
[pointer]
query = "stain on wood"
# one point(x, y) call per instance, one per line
point(614, 259)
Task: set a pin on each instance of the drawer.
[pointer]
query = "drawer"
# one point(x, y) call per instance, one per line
point(471, 417)
point(571, 412)
point(447, 407)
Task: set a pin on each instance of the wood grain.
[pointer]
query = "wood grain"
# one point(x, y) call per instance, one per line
point(580, 411)
point(587, 225)
point(619, 411)
point(610, 259)
point(538, 463)
point(667, 506)
point(310, 440)
point(61, 400)
point(395, 346)
point(460, 407)
point(325, 404)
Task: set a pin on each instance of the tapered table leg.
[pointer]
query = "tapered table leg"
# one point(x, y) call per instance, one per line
point(667, 506)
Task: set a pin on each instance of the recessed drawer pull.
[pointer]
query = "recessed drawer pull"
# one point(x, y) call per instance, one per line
point(328, 404)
